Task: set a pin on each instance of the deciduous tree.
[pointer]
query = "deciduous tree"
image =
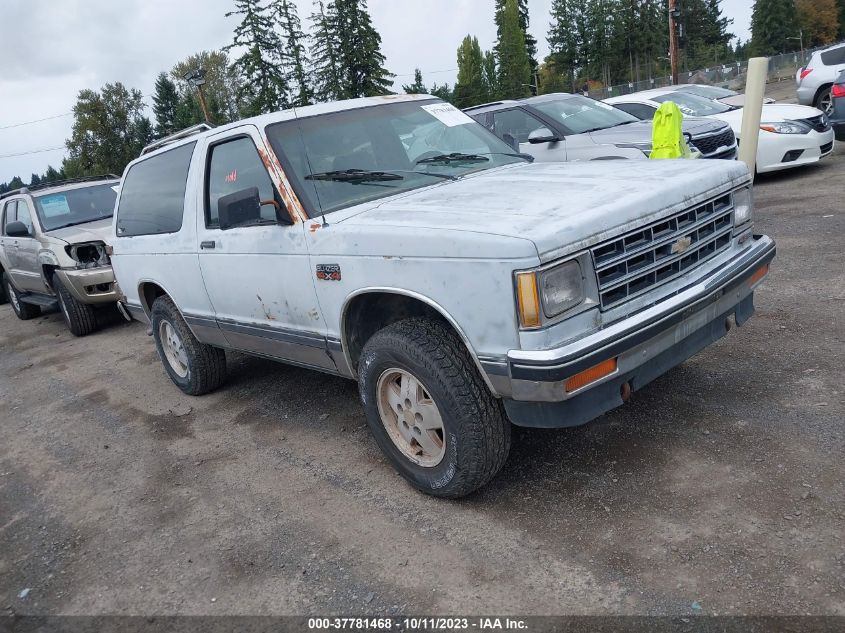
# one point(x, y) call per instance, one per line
point(819, 20)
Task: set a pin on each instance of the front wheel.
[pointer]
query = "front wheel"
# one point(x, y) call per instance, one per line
point(79, 317)
point(196, 368)
point(24, 311)
point(430, 411)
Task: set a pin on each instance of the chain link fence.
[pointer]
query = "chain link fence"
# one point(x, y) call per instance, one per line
point(732, 76)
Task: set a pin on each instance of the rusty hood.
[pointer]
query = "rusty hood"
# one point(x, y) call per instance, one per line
point(561, 207)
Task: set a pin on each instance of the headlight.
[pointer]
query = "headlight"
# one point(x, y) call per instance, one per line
point(743, 205)
point(785, 127)
point(561, 288)
point(88, 254)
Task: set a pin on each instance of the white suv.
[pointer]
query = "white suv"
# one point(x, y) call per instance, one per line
point(816, 79)
point(395, 241)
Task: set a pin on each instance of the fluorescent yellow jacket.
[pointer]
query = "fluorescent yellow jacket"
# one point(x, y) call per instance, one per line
point(667, 134)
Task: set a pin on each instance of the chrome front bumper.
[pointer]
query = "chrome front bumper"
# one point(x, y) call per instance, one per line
point(662, 335)
point(90, 285)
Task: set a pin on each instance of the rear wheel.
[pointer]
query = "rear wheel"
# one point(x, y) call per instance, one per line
point(196, 368)
point(429, 410)
point(79, 317)
point(824, 100)
point(24, 311)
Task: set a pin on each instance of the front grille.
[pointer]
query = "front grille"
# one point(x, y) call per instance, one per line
point(819, 123)
point(707, 145)
point(827, 148)
point(639, 261)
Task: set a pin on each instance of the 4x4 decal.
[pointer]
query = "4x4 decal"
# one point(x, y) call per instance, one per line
point(328, 272)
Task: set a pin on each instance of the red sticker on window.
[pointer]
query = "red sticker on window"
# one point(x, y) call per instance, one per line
point(232, 176)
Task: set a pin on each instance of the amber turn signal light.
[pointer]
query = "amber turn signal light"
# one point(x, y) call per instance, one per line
point(528, 299)
point(592, 374)
point(758, 275)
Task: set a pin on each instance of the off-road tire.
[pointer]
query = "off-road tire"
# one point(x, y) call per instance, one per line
point(477, 431)
point(79, 317)
point(206, 364)
point(24, 311)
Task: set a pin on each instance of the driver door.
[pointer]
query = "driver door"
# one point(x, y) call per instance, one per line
point(22, 252)
point(257, 275)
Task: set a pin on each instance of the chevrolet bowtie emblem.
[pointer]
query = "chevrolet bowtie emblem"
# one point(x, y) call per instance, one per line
point(681, 245)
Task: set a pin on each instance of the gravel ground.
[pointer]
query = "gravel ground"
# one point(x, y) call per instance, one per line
point(717, 489)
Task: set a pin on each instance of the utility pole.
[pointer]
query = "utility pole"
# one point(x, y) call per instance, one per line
point(674, 14)
point(197, 79)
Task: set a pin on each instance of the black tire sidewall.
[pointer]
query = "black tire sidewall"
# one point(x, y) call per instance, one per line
point(78, 317)
point(24, 312)
point(436, 479)
point(165, 311)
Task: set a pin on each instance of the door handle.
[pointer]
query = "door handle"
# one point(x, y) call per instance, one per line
point(208, 244)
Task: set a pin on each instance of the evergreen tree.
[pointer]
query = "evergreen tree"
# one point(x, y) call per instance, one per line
point(361, 59)
point(165, 102)
point(35, 179)
point(325, 44)
point(51, 175)
point(418, 87)
point(819, 21)
point(513, 62)
point(470, 88)
point(264, 88)
point(442, 92)
point(491, 76)
point(293, 52)
point(524, 21)
point(773, 23)
point(563, 44)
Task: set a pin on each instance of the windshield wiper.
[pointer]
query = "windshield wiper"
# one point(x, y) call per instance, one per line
point(358, 176)
point(355, 176)
point(454, 157)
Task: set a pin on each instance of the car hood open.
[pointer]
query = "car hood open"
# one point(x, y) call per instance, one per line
point(96, 231)
point(561, 207)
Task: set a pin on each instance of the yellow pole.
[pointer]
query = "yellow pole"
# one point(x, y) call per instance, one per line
point(755, 91)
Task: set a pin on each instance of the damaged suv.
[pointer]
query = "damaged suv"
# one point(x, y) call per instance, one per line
point(53, 249)
point(395, 241)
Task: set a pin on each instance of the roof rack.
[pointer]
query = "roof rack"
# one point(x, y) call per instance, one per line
point(58, 183)
point(199, 128)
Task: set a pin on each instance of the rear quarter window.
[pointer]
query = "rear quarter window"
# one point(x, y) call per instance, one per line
point(834, 57)
point(152, 196)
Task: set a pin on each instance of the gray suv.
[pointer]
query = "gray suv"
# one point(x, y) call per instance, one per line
point(53, 249)
point(565, 127)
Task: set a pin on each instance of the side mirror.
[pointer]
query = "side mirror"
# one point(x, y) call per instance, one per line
point(239, 208)
point(542, 135)
point(17, 229)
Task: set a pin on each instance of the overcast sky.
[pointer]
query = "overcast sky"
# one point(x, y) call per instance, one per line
point(50, 50)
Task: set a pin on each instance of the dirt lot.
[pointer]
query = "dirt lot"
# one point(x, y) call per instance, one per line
point(718, 489)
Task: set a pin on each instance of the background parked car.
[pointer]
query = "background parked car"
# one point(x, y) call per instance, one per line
point(565, 127)
point(816, 79)
point(717, 93)
point(53, 249)
point(838, 116)
point(790, 135)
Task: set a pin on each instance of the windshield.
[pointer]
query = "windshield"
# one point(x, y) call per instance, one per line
point(709, 92)
point(581, 114)
point(75, 206)
point(693, 105)
point(345, 158)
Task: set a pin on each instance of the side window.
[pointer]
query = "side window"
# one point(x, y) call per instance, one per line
point(9, 214)
point(152, 198)
point(639, 110)
point(24, 215)
point(234, 166)
point(517, 123)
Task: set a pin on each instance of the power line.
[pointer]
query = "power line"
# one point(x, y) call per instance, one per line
point(428, 72)
point(49, 118)
point(34, 151)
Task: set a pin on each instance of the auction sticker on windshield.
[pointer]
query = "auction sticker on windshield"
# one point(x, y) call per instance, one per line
point(448, 114)
point(54, 206)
